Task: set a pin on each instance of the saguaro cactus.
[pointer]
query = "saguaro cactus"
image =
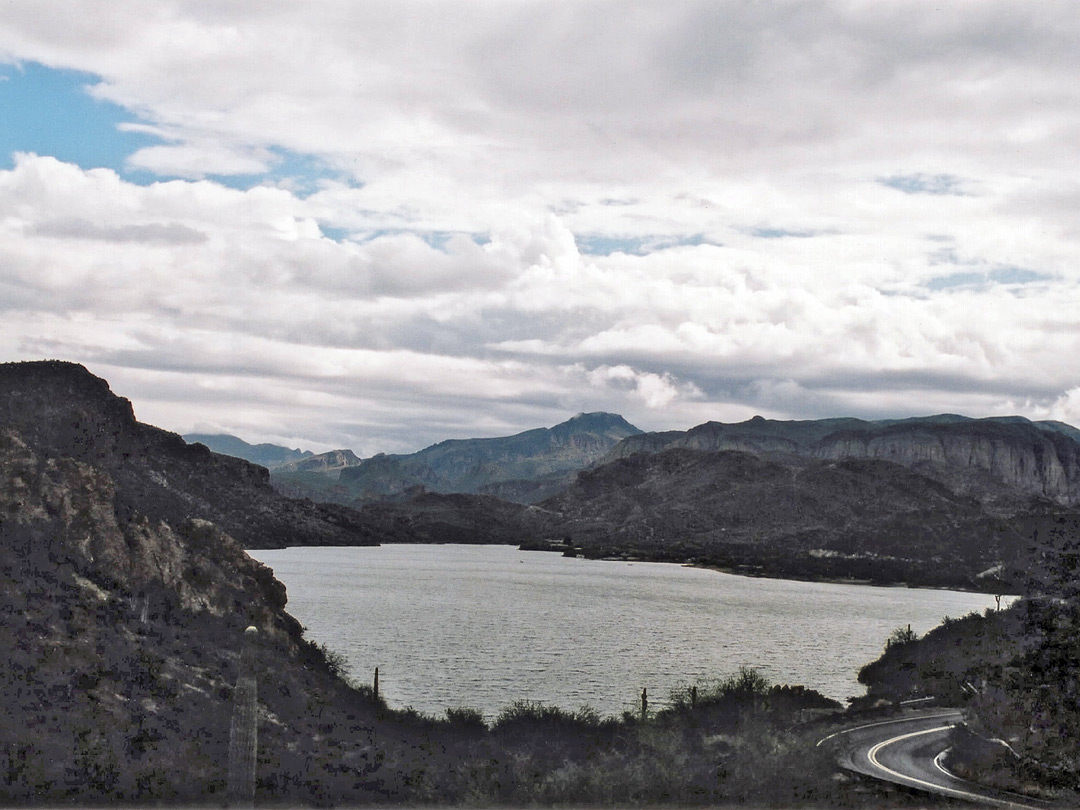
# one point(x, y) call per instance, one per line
point(243, 731)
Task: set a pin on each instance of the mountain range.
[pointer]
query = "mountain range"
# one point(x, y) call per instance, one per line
point(933, 500)
point(944, 500)
point(1000, 461)
point(990, 459)
point(523, 468)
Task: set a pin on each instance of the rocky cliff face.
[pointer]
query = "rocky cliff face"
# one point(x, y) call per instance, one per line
point(787, 516)
point(122, 614)
point(1002, 461)
point(64, 411)
point(1019, 455)
point(66, 514)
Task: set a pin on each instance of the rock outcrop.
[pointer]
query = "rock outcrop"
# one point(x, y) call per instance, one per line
point(1020, 455)
point(998, 460)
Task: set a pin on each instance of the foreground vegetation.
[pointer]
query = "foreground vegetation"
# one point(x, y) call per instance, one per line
point(737, 739)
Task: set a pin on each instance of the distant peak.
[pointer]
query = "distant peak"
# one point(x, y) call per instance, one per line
point(599, 420)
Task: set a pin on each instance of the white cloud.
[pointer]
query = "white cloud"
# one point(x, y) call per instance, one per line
point(809, 208)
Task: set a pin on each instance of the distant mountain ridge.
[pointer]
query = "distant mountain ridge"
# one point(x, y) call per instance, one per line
point(265, 455)
point(940, 500)
point(524, 467)
point(991, 459)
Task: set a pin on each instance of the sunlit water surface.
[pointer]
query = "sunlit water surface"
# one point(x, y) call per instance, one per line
point(483, 626)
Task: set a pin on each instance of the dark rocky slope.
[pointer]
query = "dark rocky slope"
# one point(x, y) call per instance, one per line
point(432, 517)
point(64, 411)
point(789, 516)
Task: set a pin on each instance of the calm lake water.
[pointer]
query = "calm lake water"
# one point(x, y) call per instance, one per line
point(483, 626)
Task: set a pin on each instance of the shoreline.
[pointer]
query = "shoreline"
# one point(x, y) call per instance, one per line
point(756, 571)
point(738, 570)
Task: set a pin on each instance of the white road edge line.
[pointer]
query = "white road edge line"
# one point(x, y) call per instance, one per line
point(951, 775)
point(885, 723)
point(963, 794)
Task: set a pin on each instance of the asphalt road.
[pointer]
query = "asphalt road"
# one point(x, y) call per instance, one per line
point(907, 751)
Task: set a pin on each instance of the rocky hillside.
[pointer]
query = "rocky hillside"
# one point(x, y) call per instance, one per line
point(1000, 461)
point(123, 609)
point(265, 455)
point(65, 412)
point(527, 466)
point(431, 517)
point(788, 516)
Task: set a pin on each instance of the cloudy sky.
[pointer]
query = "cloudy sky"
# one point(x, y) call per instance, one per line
point(377, 225)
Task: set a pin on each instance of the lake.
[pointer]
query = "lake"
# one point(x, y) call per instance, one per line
point(483, 626)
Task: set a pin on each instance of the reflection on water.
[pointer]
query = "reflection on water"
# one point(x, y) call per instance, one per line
point(482, 626)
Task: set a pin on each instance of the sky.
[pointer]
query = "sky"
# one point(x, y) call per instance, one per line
point(377, 225)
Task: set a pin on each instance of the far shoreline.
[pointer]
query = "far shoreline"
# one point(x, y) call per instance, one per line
point(745, 571)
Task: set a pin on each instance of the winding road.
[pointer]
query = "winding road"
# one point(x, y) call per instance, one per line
point(908, 751)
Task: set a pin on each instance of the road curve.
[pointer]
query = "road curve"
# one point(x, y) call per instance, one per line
point(908, 750)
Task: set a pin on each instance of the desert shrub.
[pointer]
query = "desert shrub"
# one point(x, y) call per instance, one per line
point(465, 719)
point(335, 662)
point(901, 635)
point(720, 705)
point(743, 687)
point(530, 714)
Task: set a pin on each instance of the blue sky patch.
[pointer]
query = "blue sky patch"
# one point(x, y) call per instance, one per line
point(435, 239)
point(1017, 275)
point(920, 183)
point(49, 112)
point(331, 232)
